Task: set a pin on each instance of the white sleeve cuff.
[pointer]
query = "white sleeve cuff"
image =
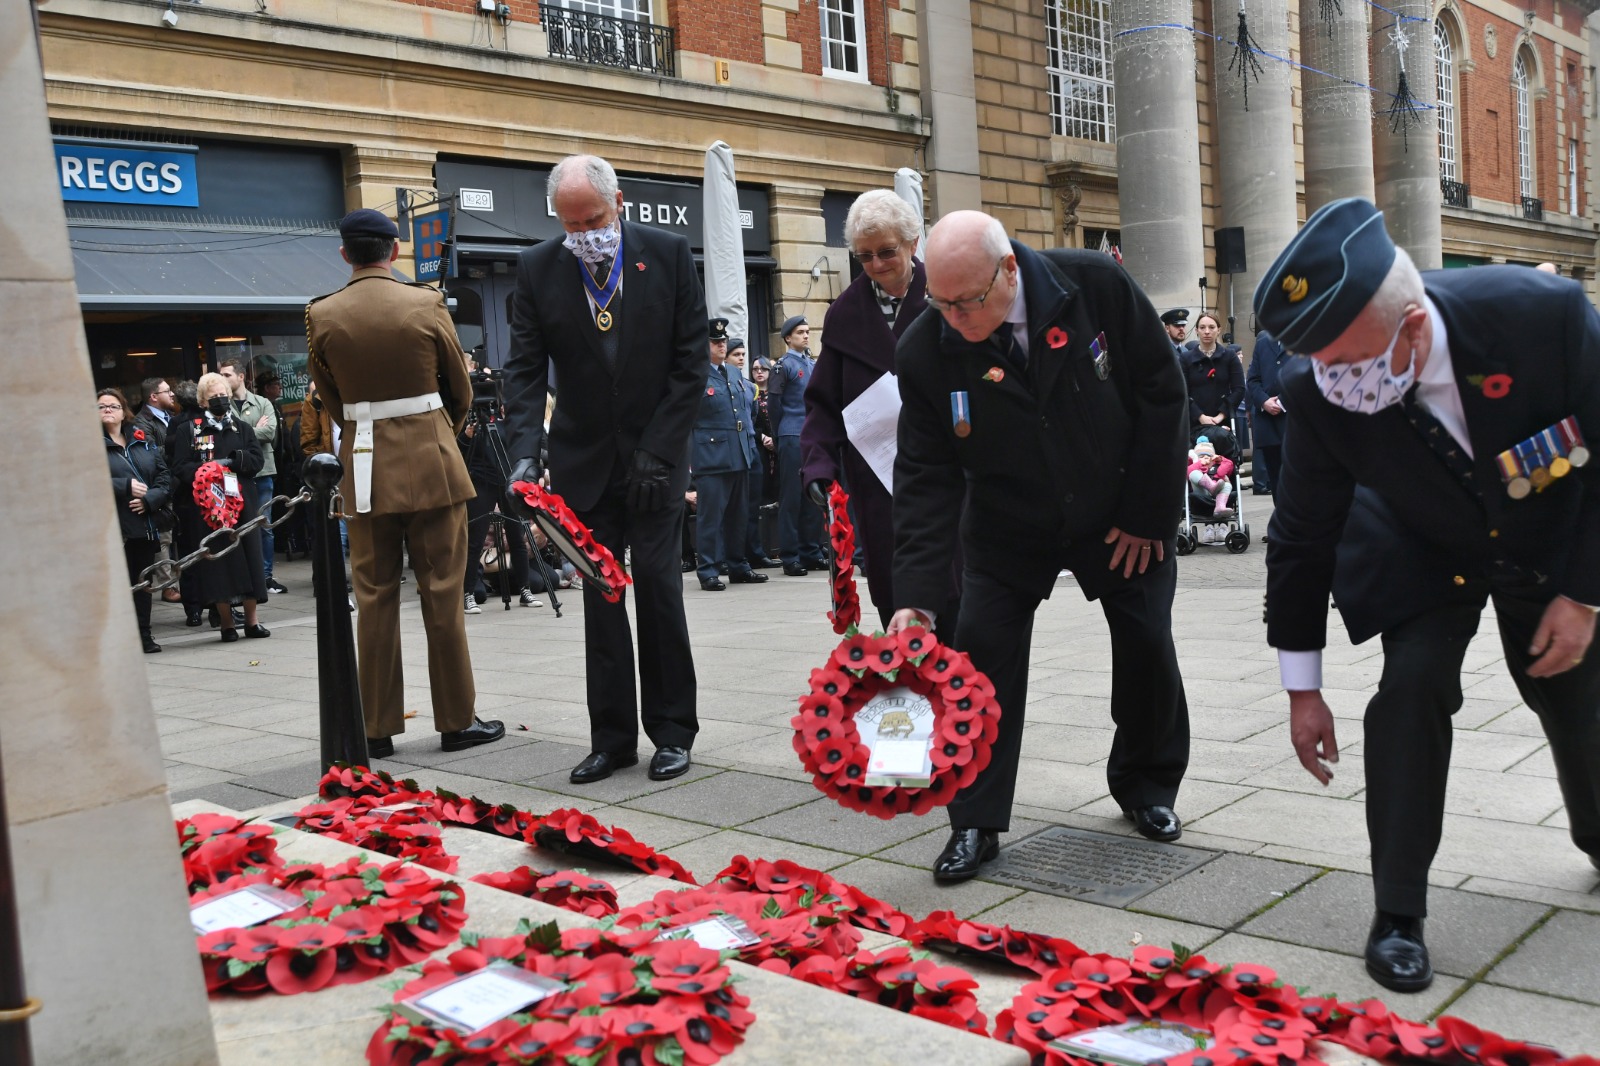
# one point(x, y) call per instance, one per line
point(1301, 671)
point(931, 616)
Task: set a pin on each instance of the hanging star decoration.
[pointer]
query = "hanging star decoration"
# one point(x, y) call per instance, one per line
point(1407, 110)
point(1244, 61)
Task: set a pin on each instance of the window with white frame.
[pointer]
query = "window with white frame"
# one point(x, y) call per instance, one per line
point(844, 49)
point(1524, 105)
point(1445, 69)
point(1572, 176)
point(631, 10)
point(1078, 43)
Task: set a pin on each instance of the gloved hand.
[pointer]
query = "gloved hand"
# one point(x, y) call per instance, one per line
point(527, 470)
point(817, 489)
point(226, 462)
point(647, 482)
point(237, 460)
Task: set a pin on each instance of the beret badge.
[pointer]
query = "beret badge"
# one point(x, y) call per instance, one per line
point(1295, 288)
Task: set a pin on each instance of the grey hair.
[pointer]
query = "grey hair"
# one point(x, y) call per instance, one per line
point(995, 240)
point(881, 211)
point(1401, 287)
point(602, 178)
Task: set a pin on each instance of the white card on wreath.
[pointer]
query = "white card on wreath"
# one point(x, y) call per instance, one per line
point(477, 1000)
point(896, 725)
point(721, 933)
point(1133, 1043)
point(243, 908)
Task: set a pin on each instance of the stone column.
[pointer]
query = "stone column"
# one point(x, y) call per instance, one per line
point(949, 102)
point(1406, 164)
point(799, 244)
point(106, 940)
point(1255, 150)
point(372, 174)
point(1337, 115)
point(1158, 149)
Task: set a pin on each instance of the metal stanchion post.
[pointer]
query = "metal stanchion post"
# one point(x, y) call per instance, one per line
point(344, 732)
point(15, 1006)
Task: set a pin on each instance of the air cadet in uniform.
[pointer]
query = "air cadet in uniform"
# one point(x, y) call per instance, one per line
point(390, 371)
point(1434, 458)
point(799, 525)
point(724, 450)
point(1177, 323)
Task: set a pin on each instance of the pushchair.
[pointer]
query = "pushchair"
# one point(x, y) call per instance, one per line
point(1200, 525)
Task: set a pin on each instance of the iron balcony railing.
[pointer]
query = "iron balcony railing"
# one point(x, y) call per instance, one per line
point(1533, 208)
point(606, 41)
point(1456, 193)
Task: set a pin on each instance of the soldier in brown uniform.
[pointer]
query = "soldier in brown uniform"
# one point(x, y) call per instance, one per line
point(390, 371)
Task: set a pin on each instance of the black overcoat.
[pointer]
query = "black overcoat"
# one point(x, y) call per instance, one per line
point(1261, 384)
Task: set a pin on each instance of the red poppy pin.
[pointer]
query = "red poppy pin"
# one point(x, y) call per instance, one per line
point(994, 373)
point(711, 392)
point(138, 434)
point(638, 266)
point(1497, 386)
point(1056, 338)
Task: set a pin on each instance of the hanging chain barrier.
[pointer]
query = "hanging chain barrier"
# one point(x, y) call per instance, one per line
point(164, 573)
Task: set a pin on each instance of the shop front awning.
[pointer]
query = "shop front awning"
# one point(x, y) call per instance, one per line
point(134, 268)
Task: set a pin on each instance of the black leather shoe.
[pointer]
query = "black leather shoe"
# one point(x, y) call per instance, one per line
point(479, 732)
point(814, 564)
point(380, 747)
point(688, 565)
point(794, 571)
point(748, 577)
point(258, 631)
point(230, 635)
point(762, 562)
point(191, 618)
point(600, 765)
point(966, 850)
point(714, 585)
point(150, 646)
point(1155, 823)
point(1396, 956)
point(669, 762)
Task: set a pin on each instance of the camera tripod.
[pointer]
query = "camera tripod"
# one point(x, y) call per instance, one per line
point(500, 520)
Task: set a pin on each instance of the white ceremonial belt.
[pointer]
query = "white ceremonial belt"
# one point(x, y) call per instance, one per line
point(364, 414)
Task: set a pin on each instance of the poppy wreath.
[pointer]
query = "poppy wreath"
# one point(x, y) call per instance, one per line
point(409, 834)
point(904, 980)
point(219, 510)
point(797, 886)
point(575, 833)
point(359, 921)
point(630, 998)
point(966, 719)
point(846, 612)
point(219, 847)
point(942, 931)
point(790, 931)
point(1370, 1029)
point(611, 572)
point(572, 890)
point(377, 788)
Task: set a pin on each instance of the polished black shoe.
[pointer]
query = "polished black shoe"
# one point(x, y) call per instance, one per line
point(747, 577)
point(230, 635)
point(380, 747)
point(714, 585)
point(601, 764)
point(688, 565)
point(763, 562)
point(794, 571)
point(966, 850)
point(668, 762)
point(150, 646)
point(192, 618)
point(814, 564)
point(1259, 491)
point(1396, 956)
point(257, 631)
point(1155, 822)
point(479, 732)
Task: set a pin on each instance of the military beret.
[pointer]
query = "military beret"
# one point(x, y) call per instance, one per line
point(365, 222)
point(719, 329)
point(1326, 276)
point(792, 324)
point(735, 343)
point(1178, 316)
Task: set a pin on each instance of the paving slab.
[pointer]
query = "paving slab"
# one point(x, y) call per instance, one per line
point(622, 785)
point(1561, 958)
point(1570, 1027)
point(727, 799)
point(1331, 973)
point(225, 794)
point(1226, 890)
point(1095, 928)
point(823, 823)
point(913, 889)
point(1580, 901)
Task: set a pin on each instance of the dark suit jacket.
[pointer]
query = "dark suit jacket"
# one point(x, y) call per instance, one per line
point(1261, 383)
point(1056, 456)
point(1414, 537)
point(601, 417)
point(723, 443)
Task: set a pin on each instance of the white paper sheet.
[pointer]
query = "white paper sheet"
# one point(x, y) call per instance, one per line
point(871, 422)
point(248, 906)
point(481, 998)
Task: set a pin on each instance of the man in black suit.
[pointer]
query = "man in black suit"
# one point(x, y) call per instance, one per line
point(618, 309)
point(1266, 410)
point(1442, 438)
point(1043, 393)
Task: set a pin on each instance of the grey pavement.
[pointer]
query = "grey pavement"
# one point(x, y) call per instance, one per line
point(1515, 924)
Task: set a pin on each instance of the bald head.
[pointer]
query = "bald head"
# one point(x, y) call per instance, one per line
point(972, 272)
point(583, 193)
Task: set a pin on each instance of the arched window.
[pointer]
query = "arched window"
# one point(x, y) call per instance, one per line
point(1078, 43)
point(1524, 107)
point(1445, 70)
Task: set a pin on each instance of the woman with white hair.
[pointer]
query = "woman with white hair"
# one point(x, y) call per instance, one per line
point(859, 337)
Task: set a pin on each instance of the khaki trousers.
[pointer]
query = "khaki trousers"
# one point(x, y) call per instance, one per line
point(438, 542)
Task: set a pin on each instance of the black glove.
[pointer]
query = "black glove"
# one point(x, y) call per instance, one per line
point(237, 458)
point(225, 462)
point(817, 489)
point(647, 483)
point(526, 470)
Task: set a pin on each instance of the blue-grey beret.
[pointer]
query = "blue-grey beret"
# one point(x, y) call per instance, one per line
point(1326, 276)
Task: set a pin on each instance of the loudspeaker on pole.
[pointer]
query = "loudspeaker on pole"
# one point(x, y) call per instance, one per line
point(1230, 250)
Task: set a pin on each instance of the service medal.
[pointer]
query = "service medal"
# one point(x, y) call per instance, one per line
point(1560, 466)
point(1518, 488)
point(1540, 476)
point(960, 415)
point(1579, 455)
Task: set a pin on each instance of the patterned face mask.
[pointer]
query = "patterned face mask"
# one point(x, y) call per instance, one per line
point(1365, 387)
point(595, 245)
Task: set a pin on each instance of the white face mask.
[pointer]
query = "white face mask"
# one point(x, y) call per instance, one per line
point(1365, 387)
point(594, 245)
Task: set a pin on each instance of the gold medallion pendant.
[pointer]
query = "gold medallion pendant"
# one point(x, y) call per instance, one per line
point(603, 320)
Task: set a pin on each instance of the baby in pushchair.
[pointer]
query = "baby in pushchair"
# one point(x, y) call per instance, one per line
point(1211, 475)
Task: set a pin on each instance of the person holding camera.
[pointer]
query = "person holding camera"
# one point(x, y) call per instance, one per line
point(487, 466)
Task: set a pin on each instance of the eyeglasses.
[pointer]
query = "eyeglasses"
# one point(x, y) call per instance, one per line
point(110, 407)
point(884, 254)
point(972, 303)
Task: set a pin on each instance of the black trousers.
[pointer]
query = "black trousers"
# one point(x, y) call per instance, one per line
point(664, 699)
point(1407, 736)
point(140, 554)
point(1264, 465)
point(1150, 750)
point(799, 523)
point(720, 520)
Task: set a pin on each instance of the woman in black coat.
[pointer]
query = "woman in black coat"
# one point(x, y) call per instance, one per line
point(218, 435)
point(142, 486)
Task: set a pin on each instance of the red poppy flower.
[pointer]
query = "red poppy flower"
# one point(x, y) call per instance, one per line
point(684, 966)
point(854, 652)
point(1056, 338)
point(915, 642)
point(1246, 979)
point(289, 973)
point(138, 434)
point(886, 655)
point(1497, 386)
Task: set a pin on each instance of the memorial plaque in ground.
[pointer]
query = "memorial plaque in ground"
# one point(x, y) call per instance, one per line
point(1095, 867)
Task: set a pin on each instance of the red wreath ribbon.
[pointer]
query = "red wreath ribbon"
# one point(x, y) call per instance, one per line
point(966, 719)
point(846, 612)
point(629, 998)
point(358, 921)
point(219, 510)
point(219, 847)
point(613, 576)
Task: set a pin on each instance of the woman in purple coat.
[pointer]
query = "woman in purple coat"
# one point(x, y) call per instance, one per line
point(859, 335)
